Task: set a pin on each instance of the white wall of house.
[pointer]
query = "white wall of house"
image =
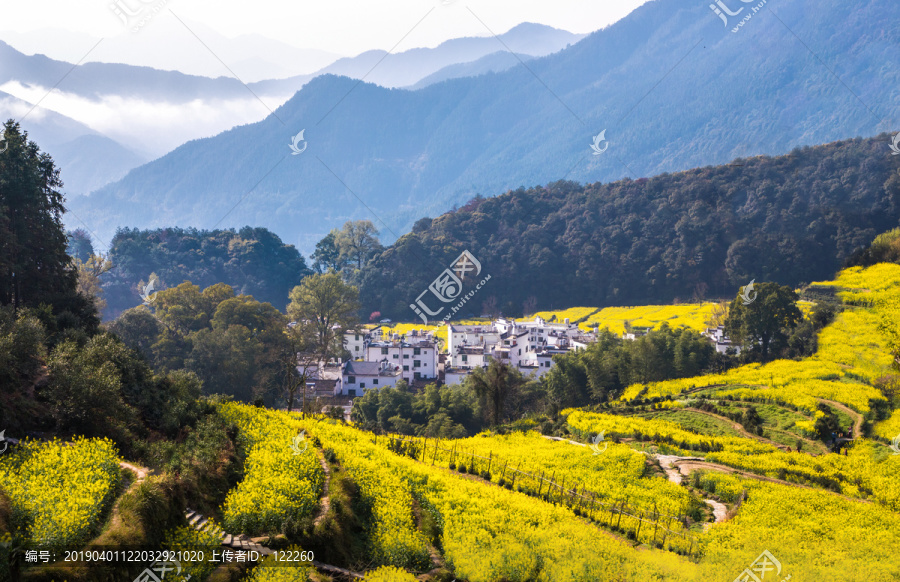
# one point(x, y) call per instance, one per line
point(468, 358)
point(357, 385)
point(414, 361)
point(355, 344)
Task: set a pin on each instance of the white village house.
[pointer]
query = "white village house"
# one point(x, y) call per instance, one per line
point(722, 342)
point(358, 377)
point(529, 346)
point(379, 357)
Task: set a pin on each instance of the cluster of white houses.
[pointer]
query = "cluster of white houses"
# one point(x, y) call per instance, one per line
point(380, 358)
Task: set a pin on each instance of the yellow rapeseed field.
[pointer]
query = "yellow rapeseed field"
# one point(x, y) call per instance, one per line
point(693, 316)
point(278, 485)
point(616, 475)
point(58, 491)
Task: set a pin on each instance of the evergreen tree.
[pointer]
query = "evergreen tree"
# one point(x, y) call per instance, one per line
point(79, 244)
point(34, 266)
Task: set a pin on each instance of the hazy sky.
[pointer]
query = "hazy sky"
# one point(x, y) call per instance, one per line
point(346, 27)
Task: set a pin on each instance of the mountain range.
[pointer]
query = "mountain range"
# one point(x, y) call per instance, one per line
point(86, 158)
point(669, 86)
point(146, 112)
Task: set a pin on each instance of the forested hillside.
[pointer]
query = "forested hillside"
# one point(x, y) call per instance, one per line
point(253, 261)
point(788, 219)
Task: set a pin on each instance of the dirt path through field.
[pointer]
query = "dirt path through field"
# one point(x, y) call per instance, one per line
point(679, 467)
point(564, 440)
point(737, 427)
point(141, 472)
point(857, 417)
point(325, 501)
point(720, 510)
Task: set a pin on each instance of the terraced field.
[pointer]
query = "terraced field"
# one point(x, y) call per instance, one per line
point(668, 484)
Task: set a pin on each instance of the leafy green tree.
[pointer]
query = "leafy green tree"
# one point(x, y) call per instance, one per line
point(327, 256)
point(234, 344)
point(494, 385)
point(567, 384)
point(444, 412)
point(138, 328)
point(395, 409)
point(85, 394)
point(330, 306)
point(605, 368)
point(185, 308)
point(22, 355)
point(357, 242)
point(180, 392)
point(803, 339)
point(226, 360)
point(763, 326)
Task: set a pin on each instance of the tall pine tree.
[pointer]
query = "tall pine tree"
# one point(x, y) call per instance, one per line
point(34, 267)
